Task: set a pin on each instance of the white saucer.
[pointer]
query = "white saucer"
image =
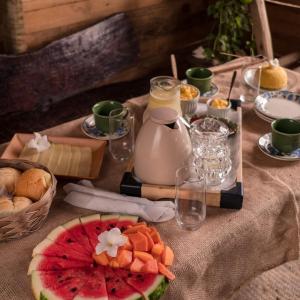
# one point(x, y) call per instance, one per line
point(263, 117)
point(265, 145)
point(89, 129)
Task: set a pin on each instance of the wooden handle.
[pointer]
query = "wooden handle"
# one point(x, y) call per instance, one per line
point(154, 192)
point(174, 66)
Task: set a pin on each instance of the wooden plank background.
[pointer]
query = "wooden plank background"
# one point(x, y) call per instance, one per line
point(161, 26)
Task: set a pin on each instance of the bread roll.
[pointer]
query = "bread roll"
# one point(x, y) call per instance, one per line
point(8, 178)
point(6, 206)
point(20, 203)
point(33, 184)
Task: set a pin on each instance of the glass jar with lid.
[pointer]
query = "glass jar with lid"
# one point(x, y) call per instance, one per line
point(164, 92)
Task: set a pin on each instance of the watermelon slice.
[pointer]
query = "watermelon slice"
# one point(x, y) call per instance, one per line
point(94, 288)
point(117, 288)
point(76, 229)
point(63, 284)
point(125, 221)
point(152, 286)
point(62, 237)
point(48, 263)
point(50, 248)
point(93, 227)
point(109, 221)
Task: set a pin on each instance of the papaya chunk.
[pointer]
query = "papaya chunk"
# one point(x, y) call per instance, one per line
point(101, 259)
point(134, 229)
point(143, 256)
point(157, 249)
point(139, 223)
point(167, 256)
point(124, 258)
point(155, 235)
point(136, 265)
point(114, 263)
point(150, 240)
point(157, 257)
point(139, 241)
point(165, 271)
point(150, 267)
point(127, 246)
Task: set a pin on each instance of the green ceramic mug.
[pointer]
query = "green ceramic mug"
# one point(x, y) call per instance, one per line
point(101, 112)
point(286, 135)
point(200, 78)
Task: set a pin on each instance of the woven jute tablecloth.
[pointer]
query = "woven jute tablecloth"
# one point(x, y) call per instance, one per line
point(229, 249)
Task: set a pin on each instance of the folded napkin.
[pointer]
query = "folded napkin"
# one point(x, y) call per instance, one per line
point(84, 195)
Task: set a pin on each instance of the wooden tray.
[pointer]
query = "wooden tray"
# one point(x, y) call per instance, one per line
point(228, 198)
point(19, 140)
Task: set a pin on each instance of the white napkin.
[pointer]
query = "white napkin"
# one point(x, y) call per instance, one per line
point(39, 143)
point(86, 196)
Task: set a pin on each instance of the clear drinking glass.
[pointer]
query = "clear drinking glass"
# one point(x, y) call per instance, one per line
point(190, 198)
point(211, 150)
point(121, 133)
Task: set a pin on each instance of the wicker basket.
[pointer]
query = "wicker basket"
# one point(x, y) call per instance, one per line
point(31, 218)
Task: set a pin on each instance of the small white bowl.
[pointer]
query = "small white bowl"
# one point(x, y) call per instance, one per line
point(218, 112)
point(189, 106)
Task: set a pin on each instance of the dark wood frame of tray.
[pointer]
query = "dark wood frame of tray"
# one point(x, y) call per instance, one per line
point(232, 198)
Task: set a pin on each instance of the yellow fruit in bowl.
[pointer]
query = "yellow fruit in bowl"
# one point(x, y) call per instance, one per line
point(188, 92)
point(219, 103)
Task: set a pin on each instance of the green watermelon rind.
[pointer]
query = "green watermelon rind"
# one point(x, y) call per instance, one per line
point(42, 297)
point(159, 289)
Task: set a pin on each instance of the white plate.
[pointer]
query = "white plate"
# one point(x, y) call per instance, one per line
point(278, 105)
point(263, 117)
point(250, 79)
point(265, 145)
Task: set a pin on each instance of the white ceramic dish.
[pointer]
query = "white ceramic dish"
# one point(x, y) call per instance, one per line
point(278, 105)
point(263, 117)
point(265, 145)
point(218, 112)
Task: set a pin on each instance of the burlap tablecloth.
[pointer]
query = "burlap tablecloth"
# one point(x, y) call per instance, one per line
point(230, 248)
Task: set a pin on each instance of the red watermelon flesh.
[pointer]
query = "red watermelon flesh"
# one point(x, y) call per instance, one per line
point(77, 231)
point(49, 263)
point(63, 284)
point(93, 227)
point(62, 237)
point(94, 287)
point(109, 221)
point(117, 288)
point(50, 248)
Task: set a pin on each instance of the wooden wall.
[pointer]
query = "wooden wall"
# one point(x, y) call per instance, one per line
point(162, 26)
point(285, 26)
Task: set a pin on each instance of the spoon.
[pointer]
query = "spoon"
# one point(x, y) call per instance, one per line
point(231, 84)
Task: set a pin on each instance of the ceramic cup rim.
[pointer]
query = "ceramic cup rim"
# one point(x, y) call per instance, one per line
point(284, 133)
point(197, 78)
point(105, 101)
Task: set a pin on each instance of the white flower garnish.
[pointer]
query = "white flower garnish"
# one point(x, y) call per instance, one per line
point(110, 241)
point(39, 142)
point(274, 62)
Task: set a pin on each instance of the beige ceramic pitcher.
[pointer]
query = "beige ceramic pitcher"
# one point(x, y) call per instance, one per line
point(162, 146)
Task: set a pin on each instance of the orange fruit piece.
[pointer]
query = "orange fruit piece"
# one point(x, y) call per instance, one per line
point(124, 258)
point(139, 241)
point(143, 256)
point(167, 256)
point(165, 271)
point(136, 265)
point(101, 259)
point(157, 249)
point(150, 267)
